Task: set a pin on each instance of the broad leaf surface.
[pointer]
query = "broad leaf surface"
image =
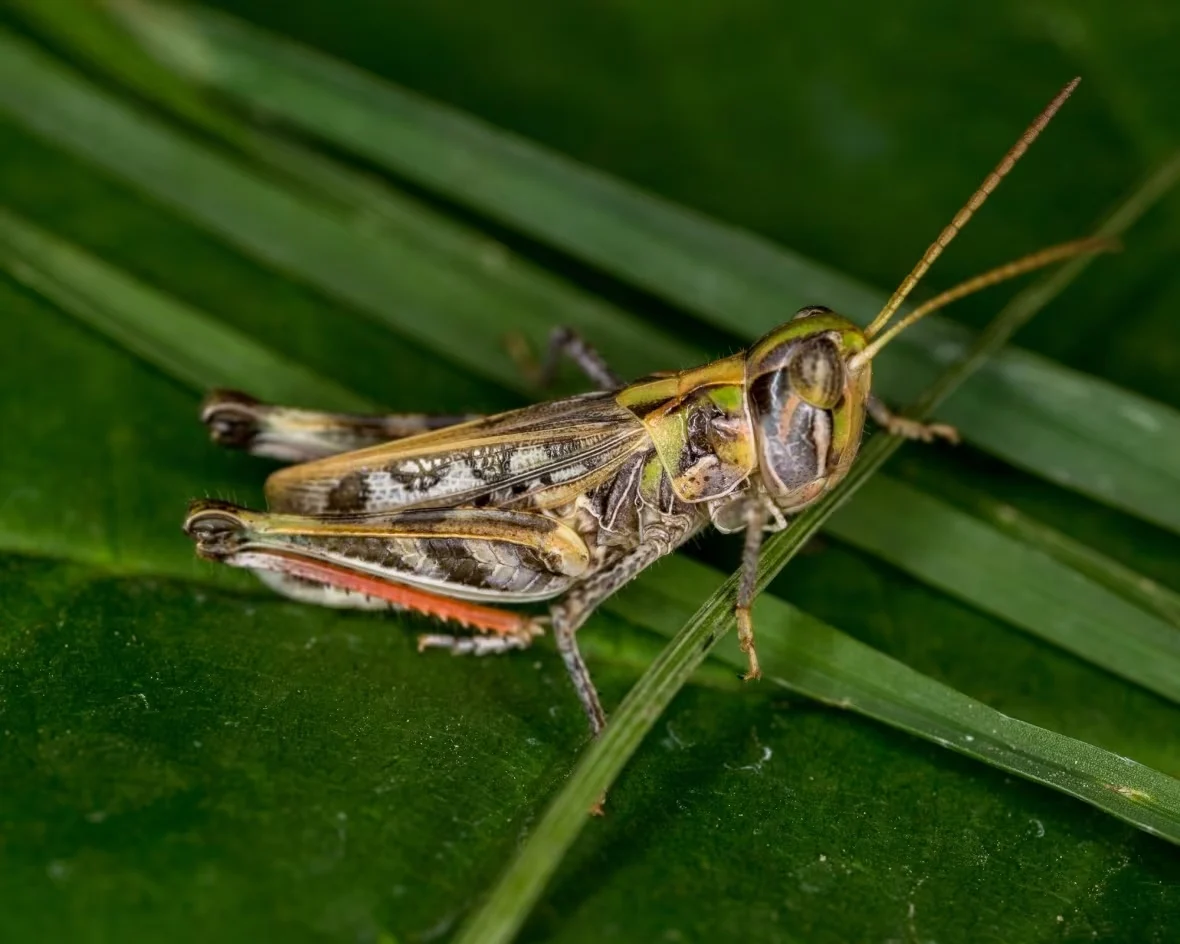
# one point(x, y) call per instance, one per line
point(186, 758)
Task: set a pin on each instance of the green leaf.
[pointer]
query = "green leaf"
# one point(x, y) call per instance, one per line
point(178, 753)
point(1073, 430)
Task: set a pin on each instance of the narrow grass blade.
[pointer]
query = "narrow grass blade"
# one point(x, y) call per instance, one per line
point(1014, 580)
point(179, 340)
point(525, 879)
point(1124, 581)
point(399, 282)
point(1022, 408)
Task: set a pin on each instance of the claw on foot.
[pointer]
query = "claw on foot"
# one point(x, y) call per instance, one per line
point(232, 418)
point(746, 643)
point(217, 528)
point(482, 645)
point(925, 432)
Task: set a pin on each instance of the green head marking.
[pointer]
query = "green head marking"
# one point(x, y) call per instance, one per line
point(774, 350)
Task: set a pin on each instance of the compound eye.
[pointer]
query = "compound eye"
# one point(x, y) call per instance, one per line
point(816, 372)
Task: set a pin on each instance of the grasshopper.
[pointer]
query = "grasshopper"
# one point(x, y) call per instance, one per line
point(567, 501)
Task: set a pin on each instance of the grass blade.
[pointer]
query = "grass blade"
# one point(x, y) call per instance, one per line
point(375, 211)
point(401, 283)
point(1020, 407)
point(1014, 580)
point(1129, 584)
point(174, 337)
point(87, 25)
point(801, 652)
point(518, 890)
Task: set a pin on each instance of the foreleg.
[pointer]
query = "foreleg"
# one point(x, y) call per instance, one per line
point(907, 428)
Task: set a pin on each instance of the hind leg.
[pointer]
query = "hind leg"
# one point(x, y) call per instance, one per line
point(318, 593)
point(571, 611)
point(334, 596)
point(566, 342)
point(318, 562)
point(239, 421)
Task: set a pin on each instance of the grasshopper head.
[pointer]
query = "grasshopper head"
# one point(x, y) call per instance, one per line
point(807, 392)
point(808, 380)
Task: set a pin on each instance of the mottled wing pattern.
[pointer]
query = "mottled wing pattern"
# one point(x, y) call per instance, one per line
point(535, 458)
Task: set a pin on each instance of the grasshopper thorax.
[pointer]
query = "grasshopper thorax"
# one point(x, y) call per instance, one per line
point(807, 399)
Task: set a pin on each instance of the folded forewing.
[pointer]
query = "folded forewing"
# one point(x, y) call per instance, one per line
point(536, 457)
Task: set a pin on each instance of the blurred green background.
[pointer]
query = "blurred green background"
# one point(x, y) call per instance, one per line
point(846, 133)
point(189, 759)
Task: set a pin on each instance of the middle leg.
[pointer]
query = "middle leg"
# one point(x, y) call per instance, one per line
point(756, 518)
point(563, 342)
point(572, 610)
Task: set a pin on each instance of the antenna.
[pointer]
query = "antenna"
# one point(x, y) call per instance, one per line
point(1009, 270)
point(1015, 153)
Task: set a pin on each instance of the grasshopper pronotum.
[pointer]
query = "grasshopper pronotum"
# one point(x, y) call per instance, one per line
point(569, 500)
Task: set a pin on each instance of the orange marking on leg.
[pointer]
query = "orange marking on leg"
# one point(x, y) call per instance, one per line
point(485, 618)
